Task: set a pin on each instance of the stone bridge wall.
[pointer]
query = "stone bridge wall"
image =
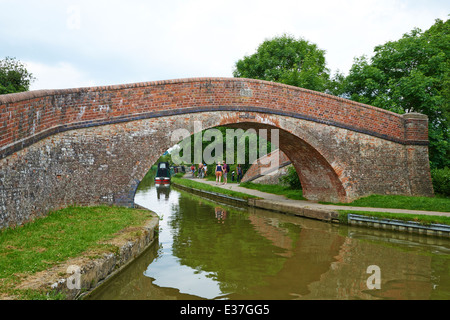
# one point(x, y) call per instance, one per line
point(27, 117)
point(261, 172)
point(93, 145)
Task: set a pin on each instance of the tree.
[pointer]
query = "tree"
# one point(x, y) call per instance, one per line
point(286, 60)
point(409, 75)
point(233, 146)
point(14, 77)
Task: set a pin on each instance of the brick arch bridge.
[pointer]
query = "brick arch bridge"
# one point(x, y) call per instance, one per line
point(93, 145)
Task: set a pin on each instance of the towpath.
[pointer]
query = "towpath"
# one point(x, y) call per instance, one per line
point(280, 201)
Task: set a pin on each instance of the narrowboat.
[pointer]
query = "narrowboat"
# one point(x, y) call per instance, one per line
point(163, 173)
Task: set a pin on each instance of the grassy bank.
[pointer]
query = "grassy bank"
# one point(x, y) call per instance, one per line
point(177, 179)
point(275, 189)
point(60, 236)
point(439, 204)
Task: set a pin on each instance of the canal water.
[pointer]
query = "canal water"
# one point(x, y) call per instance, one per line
point(210, 250)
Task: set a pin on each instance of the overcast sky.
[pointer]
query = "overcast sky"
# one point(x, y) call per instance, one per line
point(67, 44)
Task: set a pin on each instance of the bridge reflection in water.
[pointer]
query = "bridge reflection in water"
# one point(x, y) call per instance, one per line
point(208, 250)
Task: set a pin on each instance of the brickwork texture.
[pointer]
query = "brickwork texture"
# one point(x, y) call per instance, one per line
point(93, 145)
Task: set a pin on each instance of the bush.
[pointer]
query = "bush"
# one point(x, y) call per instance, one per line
point(291, 179)
point(441, 181)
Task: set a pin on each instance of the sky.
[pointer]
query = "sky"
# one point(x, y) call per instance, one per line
point(78, 43)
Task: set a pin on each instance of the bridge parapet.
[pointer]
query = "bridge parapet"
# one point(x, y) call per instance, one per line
point(416, 127)
point(94, 145)
point(25, 118)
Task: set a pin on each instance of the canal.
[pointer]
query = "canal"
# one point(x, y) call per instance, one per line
point(210, 250)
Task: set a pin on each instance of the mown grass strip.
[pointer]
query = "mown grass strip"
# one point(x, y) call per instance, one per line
point(439, 204)
point(63, 234)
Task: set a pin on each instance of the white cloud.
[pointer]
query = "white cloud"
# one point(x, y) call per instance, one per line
point(79, 43)
point(60, 76)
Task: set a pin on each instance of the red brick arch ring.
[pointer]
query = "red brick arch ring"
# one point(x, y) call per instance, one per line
point(94, 145)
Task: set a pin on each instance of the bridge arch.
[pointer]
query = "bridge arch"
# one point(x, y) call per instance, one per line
point(94, 145)
point(309, 156)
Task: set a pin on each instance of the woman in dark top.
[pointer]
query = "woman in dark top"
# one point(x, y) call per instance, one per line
point(219, 170)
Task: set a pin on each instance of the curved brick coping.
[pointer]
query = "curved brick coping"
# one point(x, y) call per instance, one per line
point(28, 117)
point(19, 145)
point(29, 95)
point(267, 172)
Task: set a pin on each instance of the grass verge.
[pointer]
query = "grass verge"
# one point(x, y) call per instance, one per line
point(439, 204)
point(177, 179)
point(63, 234)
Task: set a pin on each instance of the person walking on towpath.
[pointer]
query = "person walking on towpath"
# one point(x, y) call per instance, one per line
point(219, 171)
point(239, 173)
point(225, 173)
point(200, 171)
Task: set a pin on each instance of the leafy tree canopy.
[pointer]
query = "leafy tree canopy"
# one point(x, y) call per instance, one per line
point(409, 75)
point(286, 60)
point(14, 77)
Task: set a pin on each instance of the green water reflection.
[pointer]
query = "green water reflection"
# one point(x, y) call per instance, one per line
point(208, 250)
